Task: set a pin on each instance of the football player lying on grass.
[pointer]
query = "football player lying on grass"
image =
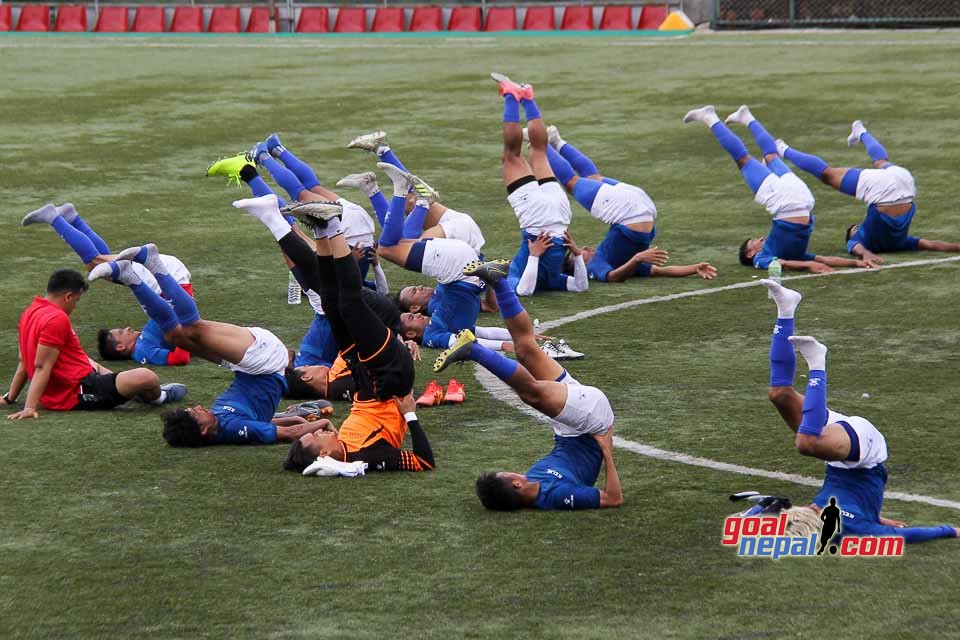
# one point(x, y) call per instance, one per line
point(777, 189)
point(581, 416)
point(381, 364)
point(243, 414)
point(625, 251)
point(853, 449)
point(452, 305)
point(145, 346)
point(888, 190)
point(537, 198)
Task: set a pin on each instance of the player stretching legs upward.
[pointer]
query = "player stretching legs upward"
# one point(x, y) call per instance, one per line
point(146, 346)
point(625, 251)
point(852, 448)
point(581, 417)
point(537, 198)
point(782, 193)
point(438, 221)
point(380, 363)
point(888, 190)
point(243, 414)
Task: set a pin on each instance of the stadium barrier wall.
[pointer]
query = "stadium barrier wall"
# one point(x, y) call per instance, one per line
point(143, 17)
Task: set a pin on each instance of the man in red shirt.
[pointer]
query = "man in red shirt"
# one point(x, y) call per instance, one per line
point(62, 376)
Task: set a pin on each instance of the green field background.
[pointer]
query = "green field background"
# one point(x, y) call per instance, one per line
point(106, 532)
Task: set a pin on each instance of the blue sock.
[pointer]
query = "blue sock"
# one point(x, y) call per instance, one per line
point(183, 305)
point(729, 141)
point(155, 306)
point(585, 192)
point(530, 108)
point(259, 187)
point(607, 180)
point(754, 173)
point(81, 225)
point(873, 147)
point(561, 168)
point(584, 165)
point(283, 177)
point(413, 225)
point(764, 139)
point(77, 240)
point(301, 169)
point(511, 108)
point(380, 206)
point(390, 157)
point(783, 359)
point(502, 367)
point(815, 404)
point(507, 299)
point(392, 230)
point(808, 162)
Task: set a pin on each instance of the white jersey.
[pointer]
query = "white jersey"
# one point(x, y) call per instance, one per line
point(542, 207)
point(356, 224)
point(890, 185)
point(444, 260)
point(873, 446)
point(785, 196)
point(461, 226)
point(623, 203)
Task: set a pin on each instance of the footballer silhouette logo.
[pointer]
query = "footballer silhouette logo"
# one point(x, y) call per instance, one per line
point(830, 518)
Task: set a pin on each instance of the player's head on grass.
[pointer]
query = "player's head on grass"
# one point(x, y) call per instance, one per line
point(413, 298)
point(749, 248)
point(189, 427)
point(505, 491)
point(116, 344)
point(852, 229)
point(412, 326)
point(307, 448)
point(65, 287)
point(307, 382)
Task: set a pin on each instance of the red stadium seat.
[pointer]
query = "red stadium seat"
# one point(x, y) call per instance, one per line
point(617, 18)
point(501, 19)
point(6, 17)
point(187, 20)
point(71, 17)
point(465, 19)
point(34, 17)
point(577, 19)
point(148, 20)
point(427, 19)
point(259, 20)
point(652, 16)
point(112, 20)
point(314, 20)
point(351, 20)
point(388, 20)
point(224, 20)
point(539, 19)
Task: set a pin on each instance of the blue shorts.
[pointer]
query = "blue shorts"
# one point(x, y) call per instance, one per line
point(550, 275)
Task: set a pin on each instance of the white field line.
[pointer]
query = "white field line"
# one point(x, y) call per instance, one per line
point(503, 393)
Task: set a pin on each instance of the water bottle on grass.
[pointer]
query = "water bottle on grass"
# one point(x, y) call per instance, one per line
point(775, 273)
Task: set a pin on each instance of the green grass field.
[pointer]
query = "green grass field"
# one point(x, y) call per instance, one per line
point(107, 532)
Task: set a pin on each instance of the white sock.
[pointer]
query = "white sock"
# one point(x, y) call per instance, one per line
point(161, 398)
point(787, 299)
point(265, 210)
point(812, 351)
point(382, 149)
point(560, 143)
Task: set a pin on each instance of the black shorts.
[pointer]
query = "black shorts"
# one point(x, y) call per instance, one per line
point(98, 392)
point(388, 373)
